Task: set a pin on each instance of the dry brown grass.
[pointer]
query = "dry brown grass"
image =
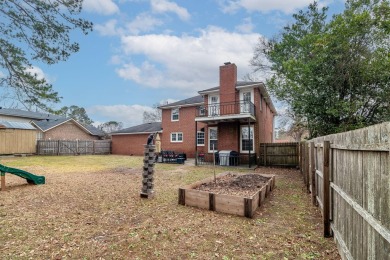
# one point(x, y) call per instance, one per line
point(90, 208)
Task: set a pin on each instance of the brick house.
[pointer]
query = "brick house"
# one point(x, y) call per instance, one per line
point(235, 116)
point(65, 129)
point(130, 141)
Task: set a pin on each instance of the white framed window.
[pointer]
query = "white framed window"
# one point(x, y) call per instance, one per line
point(200, 138)
point(177, 137)
point(247, 139)
point(175, 114)
point(213, 139)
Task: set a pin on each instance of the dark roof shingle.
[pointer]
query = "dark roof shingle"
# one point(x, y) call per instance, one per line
point(189, 101)
point(26, 114)
point(144, 128)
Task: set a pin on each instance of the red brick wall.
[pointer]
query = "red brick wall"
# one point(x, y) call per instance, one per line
point(228, 136)
point(265, 119)
point(186, 125)
point(68, 131)
point(129, 144)
point(227, 83)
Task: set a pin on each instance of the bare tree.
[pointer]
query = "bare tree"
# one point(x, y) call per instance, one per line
point(153, 116)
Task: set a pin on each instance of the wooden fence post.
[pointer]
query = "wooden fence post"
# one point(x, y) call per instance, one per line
point(307, 164)
point(326, 189)
point(2, 181)
point(313, 174)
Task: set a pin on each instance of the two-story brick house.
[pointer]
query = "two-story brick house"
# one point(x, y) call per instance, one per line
point(234, 116)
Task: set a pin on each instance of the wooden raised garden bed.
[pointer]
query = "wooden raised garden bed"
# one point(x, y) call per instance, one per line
point(223, 200)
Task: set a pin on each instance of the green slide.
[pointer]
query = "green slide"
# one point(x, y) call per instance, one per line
point(31, 178)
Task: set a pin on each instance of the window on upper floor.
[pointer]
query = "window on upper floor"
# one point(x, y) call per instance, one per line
point(175, 114)
point(177, 137)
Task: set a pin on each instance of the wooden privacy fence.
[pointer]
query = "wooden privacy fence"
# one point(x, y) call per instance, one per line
point(279, 154)
point(348, 177)
point(70, 147)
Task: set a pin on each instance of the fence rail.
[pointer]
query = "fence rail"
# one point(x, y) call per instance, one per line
point(279, 154)
point(348, 175)
point(70, 147)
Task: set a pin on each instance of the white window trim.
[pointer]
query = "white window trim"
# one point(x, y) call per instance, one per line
point(253, 139)
point(204, 138)
point(177, 135)
point(178, 114)
point(208, 138)
point(242, 91)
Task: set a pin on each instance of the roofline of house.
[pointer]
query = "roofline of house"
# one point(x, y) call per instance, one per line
point(182, 105)
point(32, 122)
point(250, 85)
point(203, 92)
point(70, 119)
point(136, 133)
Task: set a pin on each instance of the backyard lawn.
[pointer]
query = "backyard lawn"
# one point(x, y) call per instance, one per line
point(90, 208)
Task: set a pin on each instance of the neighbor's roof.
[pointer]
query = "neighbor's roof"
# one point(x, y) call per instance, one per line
point(146, 128)
point(26, 114)
point(46, 125)
point(185, 102)
point(16, 125)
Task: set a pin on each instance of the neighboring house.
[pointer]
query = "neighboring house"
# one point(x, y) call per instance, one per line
point(52, 126)
point(235, 116)
point(130, 141)
point(66, 129)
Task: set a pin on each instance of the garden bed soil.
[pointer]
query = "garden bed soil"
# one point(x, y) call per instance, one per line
point(231, 193)
point(243, 185)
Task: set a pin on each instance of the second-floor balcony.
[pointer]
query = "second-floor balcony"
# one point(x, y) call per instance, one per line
point(226, 111)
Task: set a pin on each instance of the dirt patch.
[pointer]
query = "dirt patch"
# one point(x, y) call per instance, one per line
point(242, 185)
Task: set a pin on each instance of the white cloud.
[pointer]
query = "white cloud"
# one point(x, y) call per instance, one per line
point(34, 70)
point(163, 6)
point(246, 26)
point(143, 23)
point(229, 6)
point(109, 28)
point(186, 62)
point(129, 115)
point(104, 7)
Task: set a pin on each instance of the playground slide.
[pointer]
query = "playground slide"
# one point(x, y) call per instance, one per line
point(31, 178)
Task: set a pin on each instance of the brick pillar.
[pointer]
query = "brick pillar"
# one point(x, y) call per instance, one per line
point(148, 172)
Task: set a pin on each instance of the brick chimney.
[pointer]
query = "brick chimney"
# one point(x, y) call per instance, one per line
point(227, 82)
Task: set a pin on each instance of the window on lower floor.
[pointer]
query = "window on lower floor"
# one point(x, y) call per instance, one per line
point(200, 138)
point(247, 139)
point(213, 139)
point(176, 137)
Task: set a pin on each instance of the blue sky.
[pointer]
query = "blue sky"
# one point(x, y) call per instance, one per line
point(144, 52)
